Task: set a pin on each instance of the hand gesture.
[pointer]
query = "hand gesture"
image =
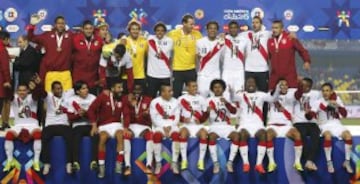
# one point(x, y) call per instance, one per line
point(34, 19)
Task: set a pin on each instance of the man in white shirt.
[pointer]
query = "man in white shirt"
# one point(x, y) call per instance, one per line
point(159, 60)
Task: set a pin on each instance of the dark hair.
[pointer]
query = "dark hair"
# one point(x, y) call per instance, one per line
point(160, 24)
point(58, 18)
point(115, 82)
point(24, 37)
point(281, 79)
point(121, 34)
point(250, 77)
point(278, 22)
point(212, 23)
point(53, 84)
point(4, 35)
point(217, 81)
point(308, 80)
point(186, 17)
point(78, 85)
point(190, 81)
point(328, 84)
point(259, 18)
point(132, 23)
point(233, 22)
point(164, 86)
point(22, 84)
point(120, 49)
point(87, 22)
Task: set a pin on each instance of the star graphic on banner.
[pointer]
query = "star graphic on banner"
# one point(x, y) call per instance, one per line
point(88, 9)
point(333, 22)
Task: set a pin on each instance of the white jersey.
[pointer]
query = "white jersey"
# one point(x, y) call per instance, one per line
point(220, 112)
point(159, 54)
point(325, 116)
point(192, 107)
point(114, 70)
point(76, 102)
point(160, 108)
point(210, 53)
point(256, 51)
point(56, 110)
point(24, 110)
point(234, 51)
point(306, 101)
point(280, 111)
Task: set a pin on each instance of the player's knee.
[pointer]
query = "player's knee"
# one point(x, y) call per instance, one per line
point(244, 135)
point(327, 136)
point(157, 137)
point(261, 135)
point(37, 135)
point(103, 137)
point(10, 136)
point(235, 136)
point(128, 135)
point(270, 134)
point(212, 136)
point(184, 133)
point(347, 135)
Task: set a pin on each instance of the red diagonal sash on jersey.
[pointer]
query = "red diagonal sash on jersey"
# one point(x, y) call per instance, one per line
point(262, 50)
point(209, 55)
point(76, 106)
point(162, 54)
point(188, 107)
point(162, 112)
point(257, 110)
point(322, 107)
point(284, 111)
point(239, 54)
point(220, 113)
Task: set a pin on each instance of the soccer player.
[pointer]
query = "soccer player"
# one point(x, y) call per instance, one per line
point(137, 47)
point(24, 106)
point(220, 124)
point(105, 114)
point(78, 106)
point(184, 61)
point(209, 50)
point(194, 113)
point(137, 123)
point(329, 110)
point(251, 122)
point(58, 44)
point(306, 97)
point(233, 64)
point(86, 56)
point(282, 49)
point(111, 67)
point(165, 114)
point(158, 64)
point(280, 125)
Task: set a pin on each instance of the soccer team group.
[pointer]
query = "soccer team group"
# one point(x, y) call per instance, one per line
point(234, 81)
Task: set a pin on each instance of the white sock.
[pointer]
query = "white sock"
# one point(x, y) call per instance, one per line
point(347, 151)
point(244, 152)
point(149, 152)
point(260, 154)
point(37, 150)
point(9, 149)
point(270, 154)
point(127, 152)
point(202, 151)
point(328, 153)
point(298, 151)
point(213, 153)
point(183, 150)
point(233, 151)
point(157, 152)
point(175, 148)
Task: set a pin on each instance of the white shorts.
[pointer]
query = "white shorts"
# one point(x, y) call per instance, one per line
point(111, 128)
point(137, 129)
point(30, 127)
point(251, 128)
point(280, 131)
point(335, 128)
point(222, 130)
point(172, 130)
point(234, 81)
point(194, 129)
point(204, 84)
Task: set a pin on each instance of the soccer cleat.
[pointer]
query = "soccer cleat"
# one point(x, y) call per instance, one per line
point(246, 168)
point(158, 167)
point(101, 173)
point(9, 165)
point(36, 166)
point(76, 166)
point(310, 165)
point(201, 165)
point(260, 169)
point(348, 167)
point(118, 167)
point(148, 169)
point(93, 165)
point(272, 167)
point(68, 168)
point(229, 166)
point(216, 168)
point(46, 169)
point(184, 165)
point(298, 167)
point(127, 171)
point(330, 166)
point(175, 167)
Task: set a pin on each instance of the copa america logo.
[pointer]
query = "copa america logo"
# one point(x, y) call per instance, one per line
point(288, 14)
point(257, 12)
point(139, 15)
point(10, 14)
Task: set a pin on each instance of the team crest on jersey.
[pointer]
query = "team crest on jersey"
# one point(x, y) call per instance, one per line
point(81, 43)
point(119, 104)
point(96, 43)
point(108, 103)
point(10, 14)
point(144, 106)
point(283, 41)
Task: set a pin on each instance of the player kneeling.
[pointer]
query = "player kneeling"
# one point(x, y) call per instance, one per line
point(164, 113)
point(280, 125)
point(329, 108)
point(193, 114)
point(26, 125)
point(105, 114)
point(137, 123)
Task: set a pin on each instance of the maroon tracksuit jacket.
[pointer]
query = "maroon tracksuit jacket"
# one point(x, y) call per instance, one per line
point(4, 71)
point(130, 116)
